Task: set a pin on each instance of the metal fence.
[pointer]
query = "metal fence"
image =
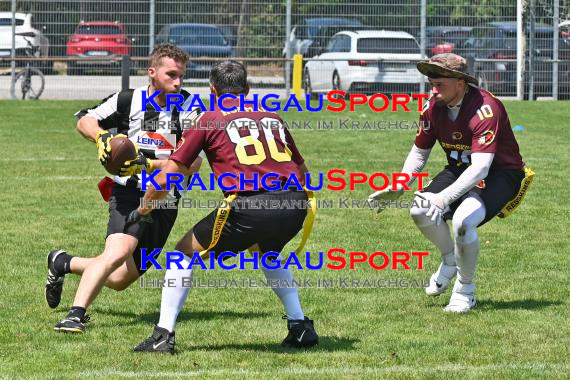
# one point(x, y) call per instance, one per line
point(78, 45)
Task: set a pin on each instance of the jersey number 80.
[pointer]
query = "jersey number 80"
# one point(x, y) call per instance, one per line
point(259, 155)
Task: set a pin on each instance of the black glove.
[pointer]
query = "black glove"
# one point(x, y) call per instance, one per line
point(135, 217)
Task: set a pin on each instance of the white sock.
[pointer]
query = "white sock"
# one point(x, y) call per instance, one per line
point(173, 298)
point(466, 218)
point(467, 256)
point(289, 296)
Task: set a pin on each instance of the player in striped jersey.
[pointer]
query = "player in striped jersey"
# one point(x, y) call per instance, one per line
point(119, 264)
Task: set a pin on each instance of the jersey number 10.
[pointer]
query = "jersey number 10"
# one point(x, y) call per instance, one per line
point(259, 155)
point(485, 112)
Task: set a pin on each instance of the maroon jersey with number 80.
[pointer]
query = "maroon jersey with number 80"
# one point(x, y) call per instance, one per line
point(241, 142)
point(482, 126)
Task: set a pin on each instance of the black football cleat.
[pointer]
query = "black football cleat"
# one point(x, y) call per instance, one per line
point(72, 325)
point(54, 283)
point(161, 340)
point(301, 334)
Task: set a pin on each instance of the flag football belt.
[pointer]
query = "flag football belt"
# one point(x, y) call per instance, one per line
point(511, 206)
point(224, 212)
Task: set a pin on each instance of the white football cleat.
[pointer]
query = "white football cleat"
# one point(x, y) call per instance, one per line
point(462, 299)
point(439, 281)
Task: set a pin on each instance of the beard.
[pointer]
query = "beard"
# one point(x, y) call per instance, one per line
point(440, 101)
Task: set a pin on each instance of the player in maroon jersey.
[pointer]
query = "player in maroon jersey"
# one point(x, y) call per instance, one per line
point(252, 150)
point(483, 174)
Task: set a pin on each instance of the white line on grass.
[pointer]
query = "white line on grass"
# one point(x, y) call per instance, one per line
point(332, 371)
point(10, 159)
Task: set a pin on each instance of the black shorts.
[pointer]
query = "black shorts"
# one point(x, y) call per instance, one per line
point(271, 229)
point(151, 236)
point(500, 187)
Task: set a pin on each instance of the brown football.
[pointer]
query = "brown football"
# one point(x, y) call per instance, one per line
point(122, 149)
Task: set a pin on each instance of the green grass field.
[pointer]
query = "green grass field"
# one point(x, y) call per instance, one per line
point(520, 328)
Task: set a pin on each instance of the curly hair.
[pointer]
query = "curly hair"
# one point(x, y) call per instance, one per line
point(168, 51)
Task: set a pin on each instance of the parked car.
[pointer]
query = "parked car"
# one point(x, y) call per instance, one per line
point(198, 40)
point(564, 27)
point(445, 39)
point(324, 35)
point(498, 40)
point(365, 62)
point(313, 35)
point(230, 33)
point(23, 26)
point(97, 39)
point(304, 34)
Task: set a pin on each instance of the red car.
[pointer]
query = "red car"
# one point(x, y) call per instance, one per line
point(97, 39)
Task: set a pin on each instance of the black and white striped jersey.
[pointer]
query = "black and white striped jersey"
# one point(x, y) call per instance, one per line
point(156, 133)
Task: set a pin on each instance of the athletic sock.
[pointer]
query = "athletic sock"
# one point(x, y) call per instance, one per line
point(77, 311)
point(62, 263)
point(173, 298)
point(466, 257)
point(441, 238)
point(448, 258)
point(289, 296)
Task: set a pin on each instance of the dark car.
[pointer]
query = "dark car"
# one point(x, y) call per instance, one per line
point(198, 40)
point(498, 41)
point(446, 39)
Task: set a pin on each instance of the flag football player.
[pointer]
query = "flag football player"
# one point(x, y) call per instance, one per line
point(485, 175)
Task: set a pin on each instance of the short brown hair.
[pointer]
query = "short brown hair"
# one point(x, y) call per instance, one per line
point(167, 51)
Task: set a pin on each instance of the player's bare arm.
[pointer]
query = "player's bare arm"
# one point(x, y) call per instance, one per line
point(88, 127)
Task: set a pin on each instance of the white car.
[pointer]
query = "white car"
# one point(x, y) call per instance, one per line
point(23, 25)
point(367, 61)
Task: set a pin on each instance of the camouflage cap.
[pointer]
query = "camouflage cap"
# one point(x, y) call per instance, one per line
point(446, 65)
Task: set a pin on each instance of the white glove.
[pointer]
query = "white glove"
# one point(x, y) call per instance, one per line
point(437, 206)
point(385, 195)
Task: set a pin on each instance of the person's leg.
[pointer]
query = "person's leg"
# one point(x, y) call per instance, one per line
point(440, 235)
point(469, 214)
point(118, 247)
point(172, 300)
point(275, 232)
point(123, 276)
point(66, 264)
point(289, 296)
point(482, 204)
point(119, 280)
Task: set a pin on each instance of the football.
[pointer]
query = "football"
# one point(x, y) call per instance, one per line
point(122, 149)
